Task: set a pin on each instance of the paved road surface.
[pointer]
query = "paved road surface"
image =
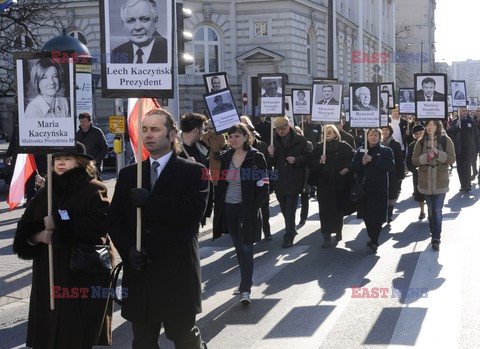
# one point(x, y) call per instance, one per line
point(302, 296)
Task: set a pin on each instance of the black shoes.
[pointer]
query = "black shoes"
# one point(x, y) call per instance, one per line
point(421, 216)
point(373, 247)
point(327, 242)
point(302, 222)
point(436, 245)
point(268, 237)
point(338, 236)
point(287, 244)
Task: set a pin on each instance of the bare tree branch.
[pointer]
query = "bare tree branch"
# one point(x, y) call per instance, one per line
point(20, 20)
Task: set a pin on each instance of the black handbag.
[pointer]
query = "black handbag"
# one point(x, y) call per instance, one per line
point(356, 192)
point(95, 259)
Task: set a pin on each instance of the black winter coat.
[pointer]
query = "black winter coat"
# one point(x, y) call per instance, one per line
point(291, 178)
point(75, 323)
point(398, 172)
point(332, 187)
point(170, 283)
point(465, 138)
point(372, 208)
point(95, 142)
point(253, 196)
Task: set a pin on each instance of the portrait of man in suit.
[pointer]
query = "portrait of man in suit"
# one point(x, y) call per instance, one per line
point(145, 44)
point(216, 83)
point(221, 107)
point(270, 85)
point(427, 93)
point(300, 98)
point(363, 98)
point(328, 99)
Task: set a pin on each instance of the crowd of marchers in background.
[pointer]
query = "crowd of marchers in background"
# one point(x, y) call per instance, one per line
point(347, 171)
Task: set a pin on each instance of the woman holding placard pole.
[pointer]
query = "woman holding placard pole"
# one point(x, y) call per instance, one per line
point(433, 154)
point(371, 166)
point(76, 230)
point(331, 159)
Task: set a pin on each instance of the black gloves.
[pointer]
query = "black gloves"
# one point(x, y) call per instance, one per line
point(139, 196)
point(137, 259)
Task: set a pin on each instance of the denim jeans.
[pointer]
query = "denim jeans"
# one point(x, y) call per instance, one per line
point(288, 206)
point(233, 220)
point(435, 205)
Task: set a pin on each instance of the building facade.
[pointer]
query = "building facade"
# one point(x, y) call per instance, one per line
point(415, 39)
point(469, 71)
point(246, 38)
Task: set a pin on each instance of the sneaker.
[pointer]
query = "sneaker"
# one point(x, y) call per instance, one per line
point(287, 244)
point(245, 300)
point(435, 245)
point(236, 291)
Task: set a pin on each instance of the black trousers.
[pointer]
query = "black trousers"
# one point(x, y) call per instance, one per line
point(288, 205)
point(373, 231)
point(181, 330)
point(266, 217)
point(304, 198)
point(464, 166)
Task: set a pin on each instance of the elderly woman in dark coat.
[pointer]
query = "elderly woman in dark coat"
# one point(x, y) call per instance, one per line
point(397, 174)
point(80, 205)
point(372, 169)
point(333, 182)
point(240, 193)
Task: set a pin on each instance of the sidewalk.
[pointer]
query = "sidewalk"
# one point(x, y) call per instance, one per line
point(15, 273)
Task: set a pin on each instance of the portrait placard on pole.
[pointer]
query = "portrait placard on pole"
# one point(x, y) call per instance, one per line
point(215, 82)
point(472, 103)
point(389, 87)
point(346, 108)
point(137, 63)
point(301, 101)
point(384, 111)
point(459, 93)
point(449, 104)
point(46, 102)
point(222, 110)
point(272, 94)
point(407, 101)
point(364, 105)
point(326, 105)
point(430, 96)
point(289, 110)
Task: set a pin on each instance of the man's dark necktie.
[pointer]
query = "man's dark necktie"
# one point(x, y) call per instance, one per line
point(139, 56)
point(153, 174)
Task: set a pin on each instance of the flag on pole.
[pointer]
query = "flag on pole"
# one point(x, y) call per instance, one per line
point(24, 167)
point(148, 104)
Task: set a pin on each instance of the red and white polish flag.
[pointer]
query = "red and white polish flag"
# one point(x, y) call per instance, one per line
point(147, 105)
point(24, 167)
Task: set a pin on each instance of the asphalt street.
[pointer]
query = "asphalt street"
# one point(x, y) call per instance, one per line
point(307, 297)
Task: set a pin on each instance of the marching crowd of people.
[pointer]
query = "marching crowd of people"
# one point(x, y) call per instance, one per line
point(194, 174)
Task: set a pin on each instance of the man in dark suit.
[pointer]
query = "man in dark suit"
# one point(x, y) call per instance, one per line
point(428, 93)
point(328, 96)
point(163, 279)
point(145, 45)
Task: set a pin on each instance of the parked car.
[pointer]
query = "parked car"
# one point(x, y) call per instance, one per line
point(111, 158)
